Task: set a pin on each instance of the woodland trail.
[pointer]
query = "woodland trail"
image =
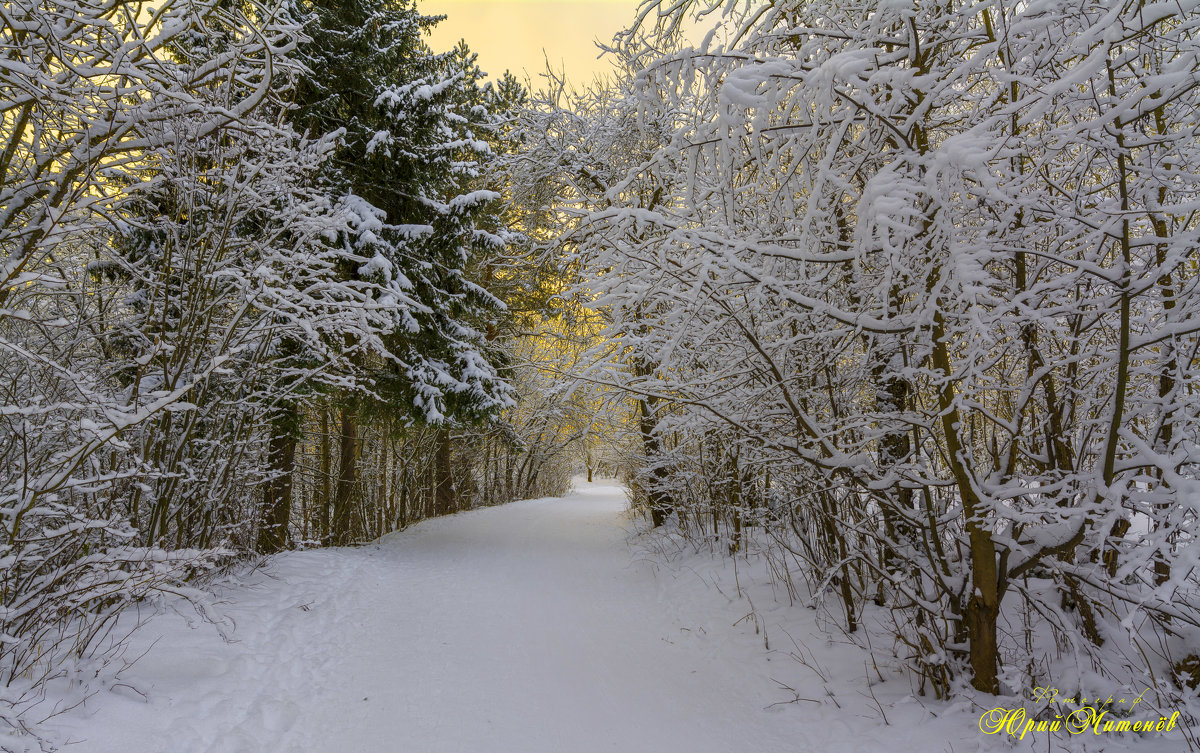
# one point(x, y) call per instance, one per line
point(531, 627)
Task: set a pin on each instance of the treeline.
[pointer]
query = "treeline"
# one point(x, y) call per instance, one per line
point(911, 290)
point(257, 290)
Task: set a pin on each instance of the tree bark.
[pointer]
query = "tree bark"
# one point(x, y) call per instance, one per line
point(660, 500)
point(277, 494)
point(983, 606)
point(321, 523)
point(343, 527)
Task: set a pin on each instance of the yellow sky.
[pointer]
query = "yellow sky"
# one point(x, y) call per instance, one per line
point(512, 34)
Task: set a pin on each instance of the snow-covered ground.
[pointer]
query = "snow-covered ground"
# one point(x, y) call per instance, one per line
point(539, 627)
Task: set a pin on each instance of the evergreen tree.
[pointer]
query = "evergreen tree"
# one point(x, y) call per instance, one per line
point(412, 147)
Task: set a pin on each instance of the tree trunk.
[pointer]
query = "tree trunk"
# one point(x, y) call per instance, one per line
point(321, 523)
point(895, 447)
point(660, 501)
point(983, 606)
point(277, 494)
point(343, 528)
point(658, 498)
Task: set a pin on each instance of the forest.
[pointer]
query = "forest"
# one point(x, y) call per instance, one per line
point(903, 297)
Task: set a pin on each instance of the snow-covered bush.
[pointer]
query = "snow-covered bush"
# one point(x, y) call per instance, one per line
point(161, 239)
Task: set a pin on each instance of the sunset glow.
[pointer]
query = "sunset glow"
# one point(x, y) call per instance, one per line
point(523, 35)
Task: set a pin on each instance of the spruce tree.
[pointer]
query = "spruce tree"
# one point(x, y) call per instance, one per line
point(412, 148)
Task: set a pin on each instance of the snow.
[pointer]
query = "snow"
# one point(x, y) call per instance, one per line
point(546, 626)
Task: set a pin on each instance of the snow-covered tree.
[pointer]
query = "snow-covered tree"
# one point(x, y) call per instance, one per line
point(412, 145)
point(924, 275)
point(107, 108)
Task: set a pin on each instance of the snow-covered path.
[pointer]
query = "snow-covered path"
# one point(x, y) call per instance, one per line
point(529, 627)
